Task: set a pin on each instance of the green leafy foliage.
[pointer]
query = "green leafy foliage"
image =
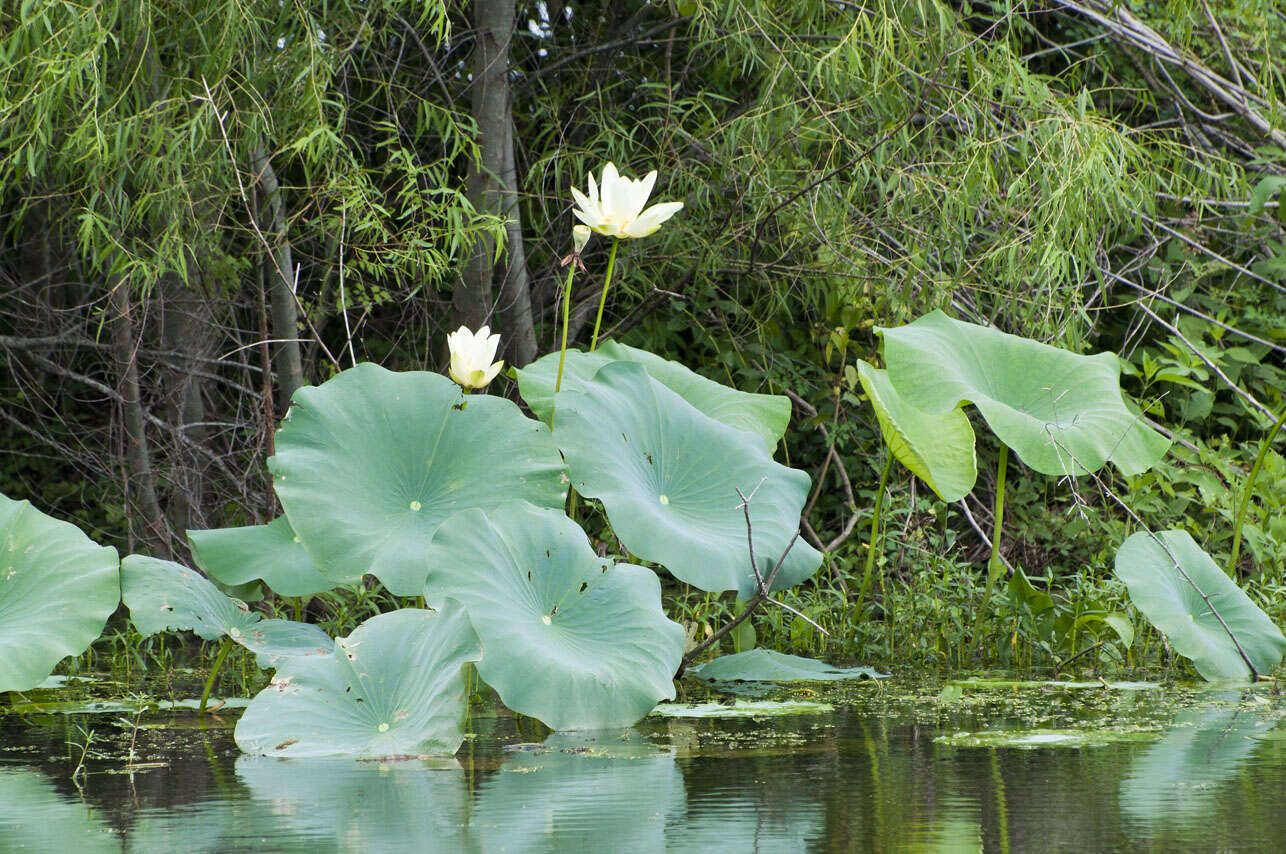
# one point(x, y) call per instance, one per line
point(1206, 616)
point(766, 415)
point(164, 596)
point(270, 553)
point(567, 637)
point(1060, 412)
point(766, 665)
point(57, 589)
point(371, 462)
point(394, 687)
point(668, 477)
point(937, 448)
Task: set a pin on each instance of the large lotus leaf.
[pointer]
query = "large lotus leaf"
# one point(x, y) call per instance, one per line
point(668, 477)
point(394, 687)
point(1207, 629)
point(567, 637)
point(765, 415)
point(271, 553)
point(57, 589)
point(938, 449)
point(1049, 405)
point(165, 596)
point(370, 463)
point(766, 665)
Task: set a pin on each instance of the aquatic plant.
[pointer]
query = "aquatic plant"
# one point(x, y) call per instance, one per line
point(57, 589)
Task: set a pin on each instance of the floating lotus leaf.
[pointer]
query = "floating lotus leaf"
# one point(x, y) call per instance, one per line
point(57, 589)
point(370, 463)
point(938, 449)
point(165, 596)
point(1216, 630)
point(1046, 738)
point(394, 687)
point(667, 476)
point(567, 637)
point(271, 553)
point(1049, 405)
point(765, 415)
point(766, 665)
point(741, 709)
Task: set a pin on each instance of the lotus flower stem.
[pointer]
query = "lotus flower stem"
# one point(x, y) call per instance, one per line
point(562, 350)
point(875, 530)
point(602, 300)
point(1249, 490)
point(994, 567)
point(214, 674)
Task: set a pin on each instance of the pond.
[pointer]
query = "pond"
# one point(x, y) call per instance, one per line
point(963, 766)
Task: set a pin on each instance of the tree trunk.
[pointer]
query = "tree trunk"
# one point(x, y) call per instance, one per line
point(515, 292)
point(186, 325)
point(285, 317)
point(140, 483)
point(493, 22)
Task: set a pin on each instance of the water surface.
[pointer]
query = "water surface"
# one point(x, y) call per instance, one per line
point(889, 769)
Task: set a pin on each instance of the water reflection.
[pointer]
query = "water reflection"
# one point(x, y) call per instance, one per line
point(842, 782)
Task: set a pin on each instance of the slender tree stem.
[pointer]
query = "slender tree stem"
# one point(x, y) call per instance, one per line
point(602, 300)
point(214, 674)
point(994, 566)
point(875, 533)
point(1248, 490)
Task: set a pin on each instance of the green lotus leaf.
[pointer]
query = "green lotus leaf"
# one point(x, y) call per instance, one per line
point(57, 589)
point(1062, 413)
point(164, 596)
point(938, 449)
point(1206, 616)
point(765, 415)
point(668, 477)
point(766, 665)
point(567, 637)
point(270, 553)
point(394, 687)
point(370, 462)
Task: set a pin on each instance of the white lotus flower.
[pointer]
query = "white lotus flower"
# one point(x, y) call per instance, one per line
point(471, 355)
point(618, 212)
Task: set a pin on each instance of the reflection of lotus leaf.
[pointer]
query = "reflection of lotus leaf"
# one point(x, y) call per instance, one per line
point(395, 686)
point(1159, 590)
point(668, 477)
point(369, 463)
point(1035, 738)
point(1044, 402)
point(406, 805)
point(1177, 777)
point(766, 665)
point(937, 448)
point(271, 553)
point(163, 596)
point(567, 637)
point(57, 589)
point(577, 796)
point(33, 817)
point(765, 415)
